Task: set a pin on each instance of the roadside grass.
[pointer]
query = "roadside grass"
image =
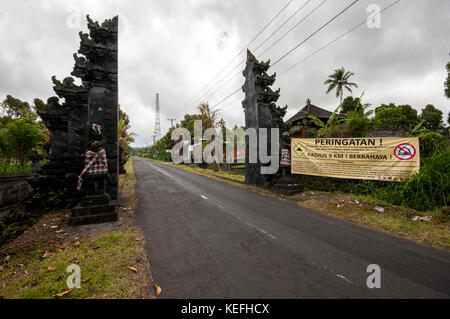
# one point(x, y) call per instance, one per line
point(34, 265)
point(230, 175)
point(103, 259)
point(395, 220)
point(128, 178)
point(127, 182)
point(154, 159)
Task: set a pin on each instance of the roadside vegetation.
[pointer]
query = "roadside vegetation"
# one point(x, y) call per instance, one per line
point(231, 174)
point(22, 135)
point(36, 243)
point(128, 179)
point(389, 218)
point(125, 139)
point(111, 256)
point(40, 271)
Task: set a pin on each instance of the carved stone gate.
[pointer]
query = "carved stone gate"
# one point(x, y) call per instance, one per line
point(94, 101)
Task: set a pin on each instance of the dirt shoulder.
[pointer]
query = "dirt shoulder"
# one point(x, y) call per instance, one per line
point(111, 256)
point(362, 210)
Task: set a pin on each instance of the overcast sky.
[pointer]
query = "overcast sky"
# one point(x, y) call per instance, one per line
point(176, 47)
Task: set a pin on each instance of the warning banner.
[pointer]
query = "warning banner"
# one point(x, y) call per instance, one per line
point(387, 159)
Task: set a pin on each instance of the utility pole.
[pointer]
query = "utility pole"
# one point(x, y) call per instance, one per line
point(171, 121)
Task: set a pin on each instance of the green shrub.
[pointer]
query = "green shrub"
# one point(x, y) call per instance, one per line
point(163, 156)
point(47, 199)
point(7, 168)
point(428, 190)
point(22, 138)
point(14, 224)
point(312, 133)
point(430, 143)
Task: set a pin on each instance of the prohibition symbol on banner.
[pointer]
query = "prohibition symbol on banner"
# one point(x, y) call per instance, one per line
point(405, 151)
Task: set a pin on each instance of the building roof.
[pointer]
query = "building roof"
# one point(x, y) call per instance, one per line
point(316, 111)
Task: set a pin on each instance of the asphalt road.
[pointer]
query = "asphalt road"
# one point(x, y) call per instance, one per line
point(207, 239)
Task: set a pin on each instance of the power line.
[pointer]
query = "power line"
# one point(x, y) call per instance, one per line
point(265, 27)
point(237, 55)
point(232, 102)
point(335, 40)
point(320, 49)
point(223, 100)
point(225, 83)
point(251, 41)
point(296, 25)
point(283, 24)
point(208, 93)
point(315, 32)
point(298, 45)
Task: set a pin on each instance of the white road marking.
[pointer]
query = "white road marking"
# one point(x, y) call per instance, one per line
point(324, 268)
point(259, 229)
point(253, 226)
point(159, 170)
point(220, 206)
point(272, 236)
point(342, 277)
point(229, 213)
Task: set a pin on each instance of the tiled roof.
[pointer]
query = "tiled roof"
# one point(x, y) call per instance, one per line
point(316, 111)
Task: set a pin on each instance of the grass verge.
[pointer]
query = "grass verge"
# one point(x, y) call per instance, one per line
point(129, 178)
point(229, 175)
point(38, 273)
point(395, 220)
point(111, 256)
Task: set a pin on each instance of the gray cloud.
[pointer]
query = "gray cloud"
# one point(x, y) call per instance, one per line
point(175, 47)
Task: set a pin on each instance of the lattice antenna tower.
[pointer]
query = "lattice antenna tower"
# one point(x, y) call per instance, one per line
point(157, 117)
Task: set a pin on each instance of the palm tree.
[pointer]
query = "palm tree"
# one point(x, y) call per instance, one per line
point(125, 138)
point(339, 81)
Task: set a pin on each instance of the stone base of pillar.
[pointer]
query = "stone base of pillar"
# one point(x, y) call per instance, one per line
point(95, 214)
point(96, 206)
point(288, 184)
point(288, 189)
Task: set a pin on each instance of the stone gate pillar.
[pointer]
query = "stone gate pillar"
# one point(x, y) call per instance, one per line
point(99, 75)
point(261, 111)
point(95, 101)
point(98, 70)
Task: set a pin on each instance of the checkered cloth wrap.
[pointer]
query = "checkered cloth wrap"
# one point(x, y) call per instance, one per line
point(285, 157)
point(94, 163)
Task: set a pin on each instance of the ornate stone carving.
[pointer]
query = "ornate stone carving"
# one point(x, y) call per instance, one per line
point(261, 111)
point(95, 100)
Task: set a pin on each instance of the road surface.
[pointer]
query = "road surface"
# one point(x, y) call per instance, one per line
point(208, 239)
